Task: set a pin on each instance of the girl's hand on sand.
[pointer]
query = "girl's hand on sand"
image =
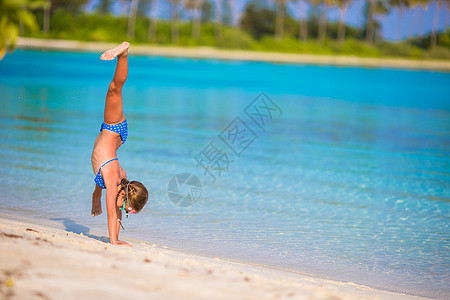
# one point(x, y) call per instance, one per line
point(120, 243)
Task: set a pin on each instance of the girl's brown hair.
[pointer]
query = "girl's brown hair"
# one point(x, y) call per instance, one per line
point(137, 194)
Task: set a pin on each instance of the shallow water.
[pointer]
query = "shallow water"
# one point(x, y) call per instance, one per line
point(349, 180)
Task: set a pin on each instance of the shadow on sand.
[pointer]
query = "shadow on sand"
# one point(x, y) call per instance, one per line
point(74, 227)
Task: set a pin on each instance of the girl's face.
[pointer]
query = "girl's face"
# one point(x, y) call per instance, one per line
point(123, 204)
point(121, 199)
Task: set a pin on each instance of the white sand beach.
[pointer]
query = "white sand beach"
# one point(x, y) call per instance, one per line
point(214, 53)
point(42, 262)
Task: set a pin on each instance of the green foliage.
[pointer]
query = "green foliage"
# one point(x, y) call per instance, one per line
point(443, 40)
point(12, 12)
point(64, 25)
point(72, 6)
point(438, 53)
point(207, 35)
point(207, 12)
point(400, 49)
point(270, 43)
point(163, 30)
point(103, 6)
point(349, 47)
point(255, 35)
point(258, 21)
point(233, 38)
point(353, 46)
point(313, 47)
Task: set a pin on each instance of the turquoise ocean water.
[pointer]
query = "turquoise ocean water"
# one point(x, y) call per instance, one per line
point(349, 180)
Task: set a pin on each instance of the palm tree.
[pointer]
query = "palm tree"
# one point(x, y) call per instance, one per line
point(424, 5)
point(448, 21)
point(103, 6)
point(132, 19)
point(373, 7)
point(174, 20)
point(152, 20)
point(414, 20)
point(400, 5)
point(11, 14)
point(323, 18)
point(69, 5)
point(435, 24)
point(228, 9)
point(343, 5)
point(303, 24)
point(369, 22)
point(46, 21)
point(195, 6)
point(279, 23)
point(218, 5)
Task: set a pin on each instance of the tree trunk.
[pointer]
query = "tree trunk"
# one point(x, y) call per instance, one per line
point(301, 26)
point(399, 23)
point(341, 28)
point(46, 25)
point(230, 7)
point(369, 24)
point(414, 20)
point(152, 30)
point(305, 27)
point(194, 11)
point(20, 27)
point(279, 30)
point(420, 29)
point(196, 26)
point(132, 19)
point(218, 23)
point(323, 24)
point(174, 22)
point(305, 30)
point(152, 21)
point(104, 6)
point(435, 25)
point(446, 20)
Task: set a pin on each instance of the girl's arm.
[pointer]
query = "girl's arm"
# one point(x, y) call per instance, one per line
point(114, 214)
point(111, 209)
point(110, 179)
point(119, 217)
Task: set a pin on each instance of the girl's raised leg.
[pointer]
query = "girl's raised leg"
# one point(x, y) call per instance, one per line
point(114, 104)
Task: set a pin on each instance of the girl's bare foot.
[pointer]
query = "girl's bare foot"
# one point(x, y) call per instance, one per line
point(120, 50)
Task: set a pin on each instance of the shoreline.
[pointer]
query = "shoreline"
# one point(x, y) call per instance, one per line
point(38, 261)
point(239, 55)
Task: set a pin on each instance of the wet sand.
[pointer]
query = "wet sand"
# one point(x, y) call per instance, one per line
point(43, 262)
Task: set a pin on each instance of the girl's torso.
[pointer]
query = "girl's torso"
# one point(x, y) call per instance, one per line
point(105, 148)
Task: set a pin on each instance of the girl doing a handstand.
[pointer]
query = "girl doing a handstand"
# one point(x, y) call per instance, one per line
point(121, 194)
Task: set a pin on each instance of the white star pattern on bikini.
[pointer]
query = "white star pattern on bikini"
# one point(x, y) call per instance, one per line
point(121, 128)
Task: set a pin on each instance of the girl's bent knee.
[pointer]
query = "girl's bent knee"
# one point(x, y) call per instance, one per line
point(114, 88)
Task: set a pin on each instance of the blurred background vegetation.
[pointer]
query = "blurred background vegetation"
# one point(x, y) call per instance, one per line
point(260, 27)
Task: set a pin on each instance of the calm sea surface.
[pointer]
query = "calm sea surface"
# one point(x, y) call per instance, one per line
point(348, 179)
